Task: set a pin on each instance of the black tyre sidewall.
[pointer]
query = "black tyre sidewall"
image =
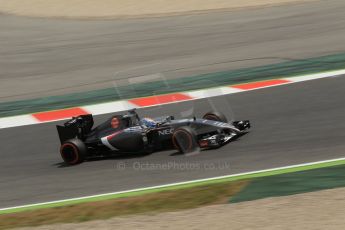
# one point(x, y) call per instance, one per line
point(185, 132)
point(75, 147)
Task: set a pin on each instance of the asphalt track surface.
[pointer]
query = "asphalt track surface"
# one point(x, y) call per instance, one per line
point(292, 124)
point(40, 57)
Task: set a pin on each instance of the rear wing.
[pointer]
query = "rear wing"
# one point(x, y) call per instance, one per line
point(77, 127)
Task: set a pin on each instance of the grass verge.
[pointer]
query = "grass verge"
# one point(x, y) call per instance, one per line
point(150, 203)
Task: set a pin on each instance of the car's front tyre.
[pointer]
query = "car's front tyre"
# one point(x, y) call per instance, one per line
point(185, 140)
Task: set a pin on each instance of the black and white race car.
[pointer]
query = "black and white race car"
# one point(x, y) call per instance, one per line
point(128, 134)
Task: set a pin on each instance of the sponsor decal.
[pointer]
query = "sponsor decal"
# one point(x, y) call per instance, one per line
point(165, 132)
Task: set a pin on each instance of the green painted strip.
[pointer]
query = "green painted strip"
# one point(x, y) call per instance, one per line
point(280, 70)
point(292, 183)
point(174, 187)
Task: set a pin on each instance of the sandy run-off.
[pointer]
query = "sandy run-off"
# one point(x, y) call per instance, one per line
point(124, 8)
point(316, 210)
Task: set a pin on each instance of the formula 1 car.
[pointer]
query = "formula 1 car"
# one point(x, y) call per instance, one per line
point(128, 134)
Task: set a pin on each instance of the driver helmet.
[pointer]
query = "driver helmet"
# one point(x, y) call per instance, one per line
point(148, 122)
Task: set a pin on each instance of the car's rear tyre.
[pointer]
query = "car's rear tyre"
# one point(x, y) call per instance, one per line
point(215, 116)
point(185, 140)
point(73, 151)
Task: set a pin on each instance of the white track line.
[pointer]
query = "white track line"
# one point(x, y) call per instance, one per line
point(173, 184)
